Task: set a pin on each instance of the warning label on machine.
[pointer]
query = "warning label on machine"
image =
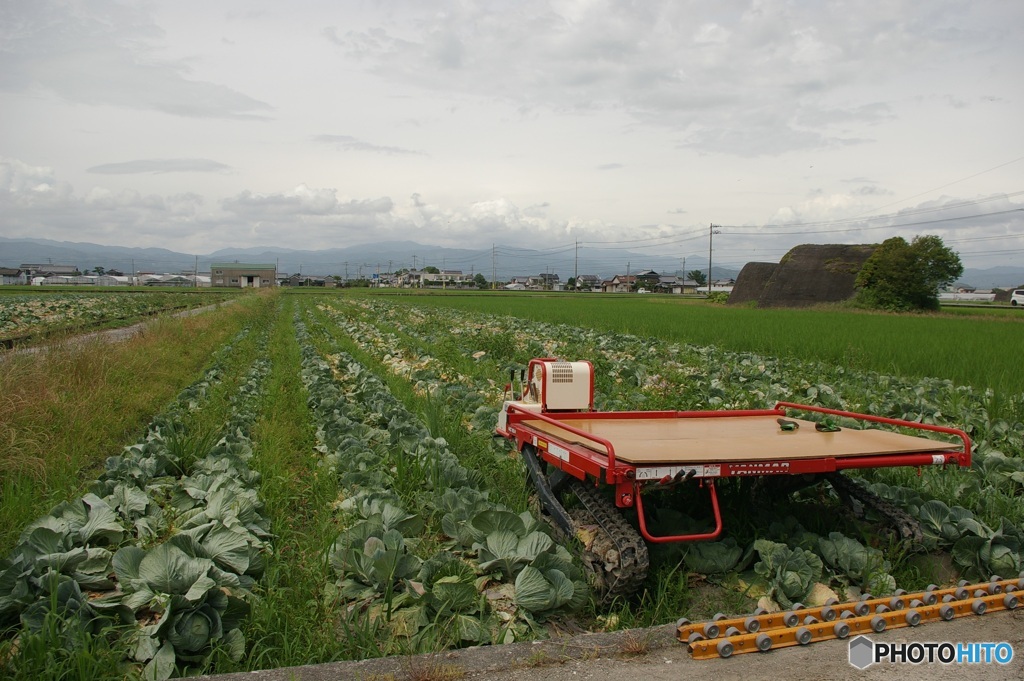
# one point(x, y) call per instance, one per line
point(661, 472)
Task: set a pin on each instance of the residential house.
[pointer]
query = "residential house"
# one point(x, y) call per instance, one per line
point(409, 279)
point(549, 281)
point(304, 280)
point(676, 285)
point(587, 282)
point(620, 283)
point(444, 278)
point(647, 280)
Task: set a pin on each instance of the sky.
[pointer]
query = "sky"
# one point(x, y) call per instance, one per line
point(196, 126)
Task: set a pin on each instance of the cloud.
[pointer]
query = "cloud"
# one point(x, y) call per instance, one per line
point(870, 190)
point(610, 166)
point(34, 201)
point(349, 143)
point(106, 56)
point(302, 202)
point(739, 78)
point(160, 166)
point(17, 177)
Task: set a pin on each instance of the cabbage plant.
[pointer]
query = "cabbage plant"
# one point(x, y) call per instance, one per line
point(857, 564)
point(993, 553)
point(790, 573)
point(186, 602)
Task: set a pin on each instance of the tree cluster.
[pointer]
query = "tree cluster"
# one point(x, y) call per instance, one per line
point(901, 276)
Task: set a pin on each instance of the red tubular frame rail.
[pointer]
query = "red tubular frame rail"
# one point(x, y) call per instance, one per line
point(962, 459)
point(583, 458)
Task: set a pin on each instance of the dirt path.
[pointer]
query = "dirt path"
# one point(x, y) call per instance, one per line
point(655, 654)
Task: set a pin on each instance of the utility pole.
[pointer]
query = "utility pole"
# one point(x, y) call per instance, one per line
point(711, 239)
point(494, 278)
point(196, 273)
point(576, 267)
point(414, 262)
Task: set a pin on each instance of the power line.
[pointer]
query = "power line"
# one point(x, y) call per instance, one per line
point(866, 228)
point(949, 184)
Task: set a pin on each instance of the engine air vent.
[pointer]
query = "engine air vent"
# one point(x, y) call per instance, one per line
point(561, 372)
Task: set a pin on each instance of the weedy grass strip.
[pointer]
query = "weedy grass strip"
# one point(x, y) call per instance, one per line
point(63, 411)
point(162, 552)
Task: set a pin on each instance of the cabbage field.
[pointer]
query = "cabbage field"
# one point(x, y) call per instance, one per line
point(328, 488)
point(24, 315)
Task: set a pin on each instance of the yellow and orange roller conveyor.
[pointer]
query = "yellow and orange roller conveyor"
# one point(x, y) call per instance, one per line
point(760, 632)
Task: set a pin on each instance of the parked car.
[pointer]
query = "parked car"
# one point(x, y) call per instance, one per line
point(1017, 297)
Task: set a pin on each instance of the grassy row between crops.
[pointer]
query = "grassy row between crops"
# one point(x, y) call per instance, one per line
point(291, 624)
point(63, 411)
point(977, 350)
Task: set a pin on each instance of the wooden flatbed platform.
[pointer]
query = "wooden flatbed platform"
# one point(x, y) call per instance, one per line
point(724, 439)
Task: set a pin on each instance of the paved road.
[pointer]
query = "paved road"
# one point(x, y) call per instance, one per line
point(600, 657)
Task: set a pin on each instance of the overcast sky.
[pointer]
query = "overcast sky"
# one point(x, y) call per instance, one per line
point(197, 125)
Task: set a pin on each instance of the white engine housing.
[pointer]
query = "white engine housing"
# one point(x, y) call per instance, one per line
point(552, 385)
point(561, 386)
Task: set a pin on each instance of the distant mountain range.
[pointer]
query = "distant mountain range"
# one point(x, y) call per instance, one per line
point(353, 262)
point(364, 260)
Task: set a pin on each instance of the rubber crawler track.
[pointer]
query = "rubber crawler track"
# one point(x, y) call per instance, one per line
point(623, 575)
point(907, 528)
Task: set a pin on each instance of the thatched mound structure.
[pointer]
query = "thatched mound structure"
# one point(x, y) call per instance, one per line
point(751, 282)
point(807, 275)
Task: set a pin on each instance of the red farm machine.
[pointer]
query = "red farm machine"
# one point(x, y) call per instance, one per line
point(610, 461)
